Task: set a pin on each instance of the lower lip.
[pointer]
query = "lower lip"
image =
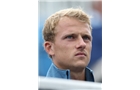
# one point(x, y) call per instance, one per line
point(80, 55)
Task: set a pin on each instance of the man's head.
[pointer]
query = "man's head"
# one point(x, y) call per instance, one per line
point(52, 21)
point(67, 36)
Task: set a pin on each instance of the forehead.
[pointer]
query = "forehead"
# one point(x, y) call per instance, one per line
point(67, 24)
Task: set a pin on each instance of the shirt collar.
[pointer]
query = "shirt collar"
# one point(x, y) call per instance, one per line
point(59, 73)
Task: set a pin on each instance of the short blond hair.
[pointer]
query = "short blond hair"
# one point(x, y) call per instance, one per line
point(52, 21)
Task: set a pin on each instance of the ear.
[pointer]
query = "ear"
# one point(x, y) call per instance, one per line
point(48, 46)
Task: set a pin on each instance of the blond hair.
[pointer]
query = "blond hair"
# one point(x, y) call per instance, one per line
point(52, 21)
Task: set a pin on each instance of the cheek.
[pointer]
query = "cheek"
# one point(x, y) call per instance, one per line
point(89, 47)
point(60, 48)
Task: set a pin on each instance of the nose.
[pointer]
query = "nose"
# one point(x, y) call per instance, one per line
point(80, 43)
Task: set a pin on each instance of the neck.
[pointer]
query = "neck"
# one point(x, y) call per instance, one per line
point(78, 75)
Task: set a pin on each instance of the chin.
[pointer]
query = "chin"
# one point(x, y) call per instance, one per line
point(78, 68)
point(81, 64)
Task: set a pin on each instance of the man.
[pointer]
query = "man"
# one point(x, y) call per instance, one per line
point(68, 41)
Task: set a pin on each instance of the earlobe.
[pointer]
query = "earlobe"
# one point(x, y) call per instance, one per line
point(48, 46)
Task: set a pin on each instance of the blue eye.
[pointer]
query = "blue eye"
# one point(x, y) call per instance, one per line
point(86, 38)
point(70, 37)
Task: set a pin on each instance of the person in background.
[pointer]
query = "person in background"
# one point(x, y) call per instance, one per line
point(68, 41)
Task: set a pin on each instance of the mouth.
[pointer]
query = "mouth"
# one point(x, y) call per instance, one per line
point(80, 54)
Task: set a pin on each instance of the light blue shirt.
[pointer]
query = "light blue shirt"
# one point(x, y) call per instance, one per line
point(65, 74)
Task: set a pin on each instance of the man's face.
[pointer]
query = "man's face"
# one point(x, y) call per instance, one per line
point(72, 44)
